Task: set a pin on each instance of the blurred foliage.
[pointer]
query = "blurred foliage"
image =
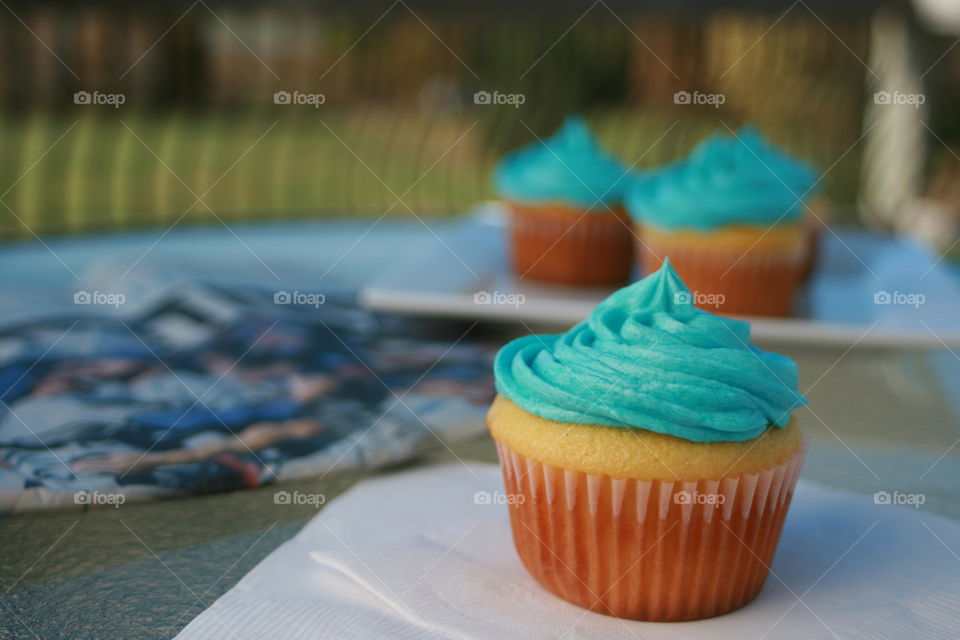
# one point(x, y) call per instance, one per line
point(199, 118)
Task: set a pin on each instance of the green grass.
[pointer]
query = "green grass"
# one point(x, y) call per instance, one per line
point(143, 170)
point(128, 169)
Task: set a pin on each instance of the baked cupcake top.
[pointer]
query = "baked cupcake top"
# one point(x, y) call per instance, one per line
point(648, 359)
point(726, 180)
point(569, 167)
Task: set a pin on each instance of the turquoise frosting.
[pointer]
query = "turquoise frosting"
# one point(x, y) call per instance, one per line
point(740, 179)
point(568, 167)
point(648, 359)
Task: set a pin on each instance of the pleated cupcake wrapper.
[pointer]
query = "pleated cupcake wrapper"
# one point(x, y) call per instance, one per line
point(647, 550)
point(568, 246)
point(756, 282)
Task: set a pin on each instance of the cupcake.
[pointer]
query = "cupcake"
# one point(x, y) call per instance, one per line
point(568, 225)
point(650, 453)
point(730, 216)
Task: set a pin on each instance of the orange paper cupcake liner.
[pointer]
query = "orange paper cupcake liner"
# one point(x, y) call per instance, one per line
point(728, 279)
point(648, 550)
point(564, 245)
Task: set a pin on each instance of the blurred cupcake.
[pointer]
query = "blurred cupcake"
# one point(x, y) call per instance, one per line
point(650, 454)
point(730, 216)
point(568, 225)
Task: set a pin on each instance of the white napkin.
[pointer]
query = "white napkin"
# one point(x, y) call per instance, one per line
point(416, 555)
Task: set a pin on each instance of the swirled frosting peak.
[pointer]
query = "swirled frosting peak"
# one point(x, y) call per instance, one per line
point(568, 167)
point(735, 179)
point(648, 359)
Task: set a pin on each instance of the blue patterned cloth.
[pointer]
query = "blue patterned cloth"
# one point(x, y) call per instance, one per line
point(213, 389)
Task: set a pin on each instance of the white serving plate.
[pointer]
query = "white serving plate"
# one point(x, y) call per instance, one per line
point(837, 307)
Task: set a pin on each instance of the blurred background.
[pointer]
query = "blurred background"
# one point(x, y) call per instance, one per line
point(120, 115)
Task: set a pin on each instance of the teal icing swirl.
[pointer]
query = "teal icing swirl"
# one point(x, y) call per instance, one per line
point(740, 179)
point(648, 359)
point(569, 167)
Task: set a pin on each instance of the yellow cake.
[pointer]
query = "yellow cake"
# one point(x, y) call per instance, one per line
point(635, 453)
